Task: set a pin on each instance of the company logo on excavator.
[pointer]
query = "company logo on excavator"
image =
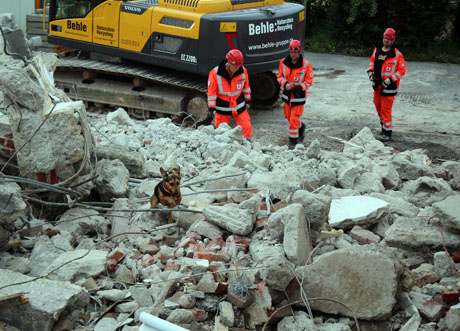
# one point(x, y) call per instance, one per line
point(270, 26)
point(77, 26)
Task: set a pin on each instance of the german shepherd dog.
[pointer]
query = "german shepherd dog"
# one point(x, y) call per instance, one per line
point(167, 192)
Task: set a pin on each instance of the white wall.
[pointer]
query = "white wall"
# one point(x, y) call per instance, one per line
point(20, 8)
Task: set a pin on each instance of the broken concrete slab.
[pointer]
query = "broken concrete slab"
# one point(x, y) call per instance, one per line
point(314, 149)
point(418, 233)
point(348, 175)
point(444, 265)
point(397, 204)
point(206, 229)
point(364, 141)
point(412, 164)
point(82, 221)
point(451, 321)
point(357, 210)
point(119, 116)
point(112, 180)
point(231, 218)
point(226, 313)
point(257, 313)
point(113, 295)
point(388, 174)
point(363, 277)
point(133, 161)
point(14, 263)
point(48, 300)
point(425, 191)
point(87, 263)
point(106, 324)
point(12, 205)
point(43, 254)
point(316, 207)
point(448, 211)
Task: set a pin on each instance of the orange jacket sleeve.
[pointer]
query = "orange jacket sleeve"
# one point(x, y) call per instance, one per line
point(212, 89)
point(309, 77)
point(280, 77)
point(246, 87)
point(372, 60)
point(400, 68)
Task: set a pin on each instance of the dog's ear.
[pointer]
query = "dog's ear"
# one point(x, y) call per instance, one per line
point(163, 172)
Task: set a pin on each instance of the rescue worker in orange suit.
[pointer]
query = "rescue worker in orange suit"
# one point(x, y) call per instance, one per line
point(295, 76)
point(229, 93)
point(386, 68)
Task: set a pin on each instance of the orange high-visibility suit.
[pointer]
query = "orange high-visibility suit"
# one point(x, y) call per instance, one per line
point(383, 65)
point(230, 96)
point(301, 75)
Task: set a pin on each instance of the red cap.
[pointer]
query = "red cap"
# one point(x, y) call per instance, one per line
point(235, 57)
point(295, 45)
point(389, 34)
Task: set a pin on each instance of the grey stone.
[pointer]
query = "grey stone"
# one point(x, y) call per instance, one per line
point(443, 264)
point(452, 319)
point(334, 327)
point(206, 229)
point(453, 169)
point(186, 301)
point(133, 161)
point(113, 179)
point(388, 174)
point(119, 116)
point(89, 265)
point(364, 236)
point(124, 275)
point(314, 150)
point(298, 322)
point(106, 324)
point(364, 141)
point(119, 220)
point(181, 316)
point(229, 182)
point(127, 307)
point(369, 182)
point(14, 263)
point(11, 206)
point(43, 254)
point(316, 207)
point(142, 295)
point(425, 191)
point(363, 277)
point(426, 306)
point(113, 295)
point(448, 211)
point(418, 233)
point(207, 284)
point(242, 161)
point(226, 313)
point(48, 300)
point(278, 272)
point(257, 313)
point(397, 205)
point(349, 175)
point(280, 181)
point(296, 240)
point(356, 210)
point(231, 218)
point(412, 164)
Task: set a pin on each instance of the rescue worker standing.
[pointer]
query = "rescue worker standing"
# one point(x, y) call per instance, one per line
point(229, 93)
point(295, 76)
point(386, 68)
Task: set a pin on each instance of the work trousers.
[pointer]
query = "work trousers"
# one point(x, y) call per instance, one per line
point(384, 107)
point(293, 114)
point(243, 120)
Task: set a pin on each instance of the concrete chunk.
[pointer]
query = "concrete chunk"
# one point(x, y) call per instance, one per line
point(231, 218)
point(448, 211)
point(356, 210)
point(48, 300)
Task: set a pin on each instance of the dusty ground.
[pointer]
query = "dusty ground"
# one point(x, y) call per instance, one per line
point(426, 112)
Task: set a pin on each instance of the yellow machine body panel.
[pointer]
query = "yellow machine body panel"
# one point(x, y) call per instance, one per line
point(74, 28)
point(176, 22)
point(106, 18)
point(215, 6)
point(135, 30)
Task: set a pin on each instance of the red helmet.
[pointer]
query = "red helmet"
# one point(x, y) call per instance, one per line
point(235, 57)
point(389, 34)
point(295, 45)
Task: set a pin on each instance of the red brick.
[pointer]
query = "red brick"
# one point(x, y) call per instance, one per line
point(114, 259)
point(222, 288)
point(170, 240)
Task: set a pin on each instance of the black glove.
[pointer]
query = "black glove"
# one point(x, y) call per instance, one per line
point(370, 73)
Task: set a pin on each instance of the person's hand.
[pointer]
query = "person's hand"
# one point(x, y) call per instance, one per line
point(371, 75)
point(289, 86)
point(386, 82)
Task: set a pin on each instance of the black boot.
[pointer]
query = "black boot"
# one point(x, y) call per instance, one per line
point(386, 137)
point(381, 129)
point(292, 142)
point(302, 132)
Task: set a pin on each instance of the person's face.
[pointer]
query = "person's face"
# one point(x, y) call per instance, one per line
point(387, 42)
point(232, 68)
point(295, 53)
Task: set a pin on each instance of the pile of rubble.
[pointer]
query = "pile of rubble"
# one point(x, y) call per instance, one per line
point(266, 238)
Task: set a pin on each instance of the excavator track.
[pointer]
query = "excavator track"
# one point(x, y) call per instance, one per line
point(143, 90)
point(147, 91)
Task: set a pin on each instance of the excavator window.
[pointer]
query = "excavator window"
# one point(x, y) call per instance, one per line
point(72, 8)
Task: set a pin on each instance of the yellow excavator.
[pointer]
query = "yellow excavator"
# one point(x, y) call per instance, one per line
point(165, 48)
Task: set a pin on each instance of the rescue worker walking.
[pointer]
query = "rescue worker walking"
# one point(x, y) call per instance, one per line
point(229, 93)
point(295, 76)
point(386, 68)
